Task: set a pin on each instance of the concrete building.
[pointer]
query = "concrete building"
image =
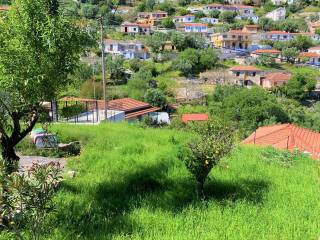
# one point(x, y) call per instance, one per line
point(278, 36)
point(195, 28)
point(136, 28)
point(246, 75)
point(209, 20)
point(275, 79)
point(277, 14)
point(234, 39)
point(127, 49)
point(184, 19)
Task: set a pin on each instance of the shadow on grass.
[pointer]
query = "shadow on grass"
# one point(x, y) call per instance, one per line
point(112, 202)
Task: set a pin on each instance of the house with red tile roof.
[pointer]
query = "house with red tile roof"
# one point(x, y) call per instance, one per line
point(269, 52)
point(136, 28)
point(315, 49)
point(287, 137)
point(275, 79)
point(311, 58)
point(246, 75)
point(194, 117)
point(132, 109)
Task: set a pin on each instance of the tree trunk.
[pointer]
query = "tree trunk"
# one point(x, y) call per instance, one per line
point(200, 189)
point(10, 158)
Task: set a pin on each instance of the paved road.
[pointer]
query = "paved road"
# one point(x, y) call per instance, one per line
point(26, 161)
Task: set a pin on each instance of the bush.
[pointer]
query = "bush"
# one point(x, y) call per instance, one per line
point(215, 140)
point(26, 199)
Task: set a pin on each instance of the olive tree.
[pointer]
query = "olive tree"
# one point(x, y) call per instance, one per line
point(39, 48)
point(214, 141)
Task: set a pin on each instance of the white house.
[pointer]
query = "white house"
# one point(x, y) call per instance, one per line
point(127, 49)
point(277, 14)
point(315, 49)
point(184, 19)
point(311, 58)
point(209, 20)
point(195, 27)
point(278, 36)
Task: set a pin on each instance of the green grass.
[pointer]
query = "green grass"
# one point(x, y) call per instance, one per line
point(311, 9)
point(130, 185)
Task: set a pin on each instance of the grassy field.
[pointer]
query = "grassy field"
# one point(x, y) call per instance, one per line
point(130, 185)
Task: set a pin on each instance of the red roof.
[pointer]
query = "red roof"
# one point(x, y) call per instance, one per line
point(309, 55)
point(128, 105)
point(244, 68)
point(4, 8)
point(287, 136)
point(314, 48)
point(234, 31)
point(278, 32)
point(194, 117)
point(278, 77)
point(266, 51)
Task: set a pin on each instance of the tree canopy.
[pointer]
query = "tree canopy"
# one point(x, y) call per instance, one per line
point(39, 48)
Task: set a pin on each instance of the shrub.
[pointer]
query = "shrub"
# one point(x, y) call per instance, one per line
point(215, 140)
point(26, 199)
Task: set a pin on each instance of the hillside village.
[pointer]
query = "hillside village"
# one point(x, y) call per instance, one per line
point(159, 119)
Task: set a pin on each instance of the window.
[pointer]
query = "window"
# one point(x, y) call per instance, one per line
point(254, 74)
point(237, 74)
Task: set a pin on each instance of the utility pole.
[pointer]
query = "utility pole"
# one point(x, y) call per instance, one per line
point(103, 67)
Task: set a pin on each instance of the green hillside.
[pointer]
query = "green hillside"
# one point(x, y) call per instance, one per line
point(130, 185)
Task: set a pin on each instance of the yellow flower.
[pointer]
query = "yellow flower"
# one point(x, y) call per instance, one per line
point(206, 162)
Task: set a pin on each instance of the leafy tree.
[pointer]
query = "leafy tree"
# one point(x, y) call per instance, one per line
point(266, 60)
point(290, 53)
point(156, 41)
point(168, 23)
point(215, 140)
point(248, 108)
point(191, 61)
point(302, 43)
point(115, 69)
point(299, 84)
point(139, 83)
point(195, 41)
point(227, 16)
point(208, 59)
point(214, 13)
point(265, 24)
point(187, 61)
point(156, 98)
point(89, 10)
point(178, 40)
point(39, 48)
point(199, 14)
point(167, 7)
